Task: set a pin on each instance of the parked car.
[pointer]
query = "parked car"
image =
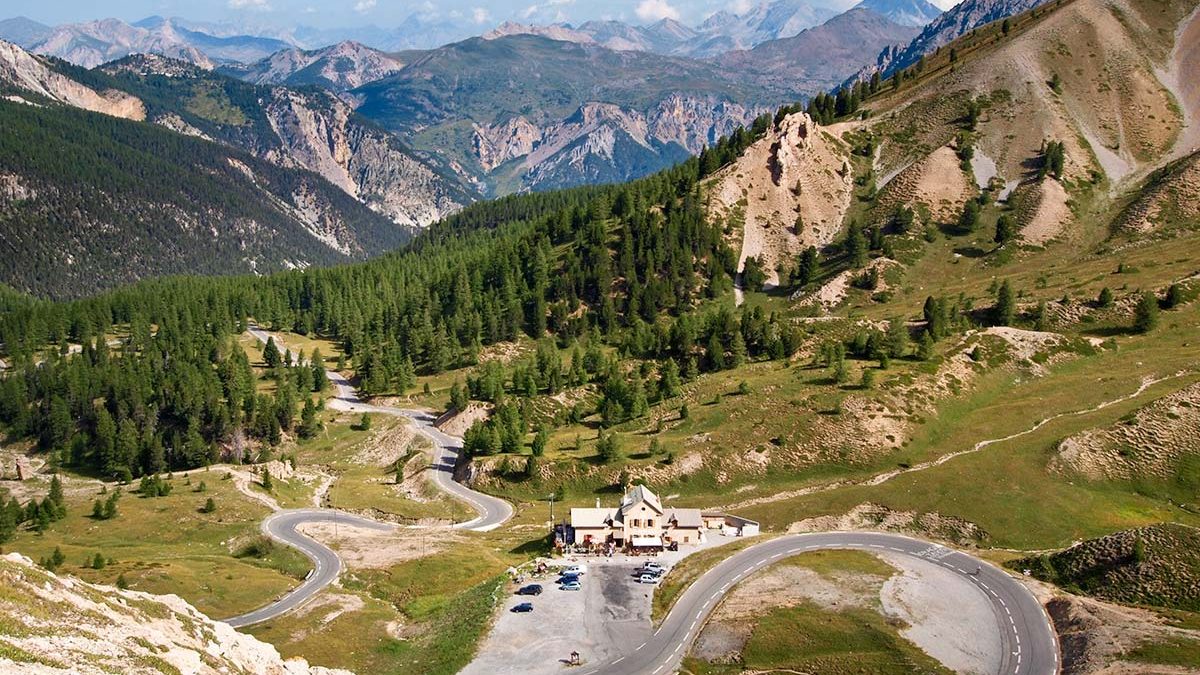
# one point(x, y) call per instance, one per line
point(653, 567)
point(568, 577)
point(648, 578)
point(572, 586)
point(576, 570)
point(523, 607)
point(531, 589)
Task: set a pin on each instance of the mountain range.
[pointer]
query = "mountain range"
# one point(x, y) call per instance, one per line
point(210, 44)
point(526, 112)
point(413, 136)
point(92, 43)
point(280, 177)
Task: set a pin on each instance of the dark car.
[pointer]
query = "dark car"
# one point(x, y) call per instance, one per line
point(523, 607)
point(568, 578)
point(531, 589)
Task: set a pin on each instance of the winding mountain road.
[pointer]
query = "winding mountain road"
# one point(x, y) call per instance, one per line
point(1029, 643)
point(492, 511)
point(1030, 646)
point(282, 526)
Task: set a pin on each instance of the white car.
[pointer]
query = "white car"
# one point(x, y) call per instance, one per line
point(648, 579)
point(576, 569)
point(653, 567)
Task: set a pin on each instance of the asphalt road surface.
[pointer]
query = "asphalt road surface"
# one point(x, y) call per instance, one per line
point(1030, 645)
point(492, 510)
point(326, 563)
point(281, 526)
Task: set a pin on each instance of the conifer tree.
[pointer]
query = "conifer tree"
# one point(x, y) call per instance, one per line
point(1145, 315)
point(270, 354)
point(1004, 311)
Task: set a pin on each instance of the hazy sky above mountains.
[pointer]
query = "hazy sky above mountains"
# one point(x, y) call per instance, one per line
point(385, 13)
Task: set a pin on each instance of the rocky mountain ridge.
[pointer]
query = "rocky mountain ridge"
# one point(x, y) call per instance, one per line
point(23, 71)
point(339, 67)
point(92, 43)
point(309, 129)
point(820, 56)
point(152, 188)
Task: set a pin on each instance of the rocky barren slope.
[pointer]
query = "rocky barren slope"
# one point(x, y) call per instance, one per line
point(58, 624)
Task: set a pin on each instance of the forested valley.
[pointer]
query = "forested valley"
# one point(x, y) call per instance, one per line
point(150, 377)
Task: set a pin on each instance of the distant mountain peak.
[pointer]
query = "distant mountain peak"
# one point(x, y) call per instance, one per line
point(342, 66)
point(905, 12)
point(557, 31)
point(23, 31)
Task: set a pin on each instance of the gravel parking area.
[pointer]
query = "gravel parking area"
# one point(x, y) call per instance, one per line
point(607, 619)
point(609, 616)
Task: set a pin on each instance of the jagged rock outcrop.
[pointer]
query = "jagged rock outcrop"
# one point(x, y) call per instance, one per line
point(59, 624)
point(23, 70)
point(496, 144)
point(788, 191)
point(368, 164)
point(600, 133)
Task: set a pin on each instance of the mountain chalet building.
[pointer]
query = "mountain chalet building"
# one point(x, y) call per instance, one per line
point(641, 523)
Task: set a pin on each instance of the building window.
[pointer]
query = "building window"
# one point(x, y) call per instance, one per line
point(637, 522)
point(649, 522)
point(686, 539)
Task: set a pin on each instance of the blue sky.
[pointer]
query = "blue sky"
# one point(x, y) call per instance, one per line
point(341, 13)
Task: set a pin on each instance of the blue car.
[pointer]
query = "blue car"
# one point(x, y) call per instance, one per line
point(568, 578)
point(523, 607)
point(572, 586)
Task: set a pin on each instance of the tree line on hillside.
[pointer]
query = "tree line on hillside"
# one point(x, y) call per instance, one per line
point(613, 264)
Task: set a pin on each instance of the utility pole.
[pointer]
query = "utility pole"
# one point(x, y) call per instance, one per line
point(552, 533)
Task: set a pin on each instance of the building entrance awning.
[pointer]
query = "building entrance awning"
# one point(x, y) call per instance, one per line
point(638, 542)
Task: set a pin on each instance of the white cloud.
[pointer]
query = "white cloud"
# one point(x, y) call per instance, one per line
point(740, 7)
point(654, 10)
point(257, 5)
point(480, 15)
point(542, 8)
point(364, 6)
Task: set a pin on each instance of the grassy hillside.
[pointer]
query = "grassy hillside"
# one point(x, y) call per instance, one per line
point(1158, 566)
